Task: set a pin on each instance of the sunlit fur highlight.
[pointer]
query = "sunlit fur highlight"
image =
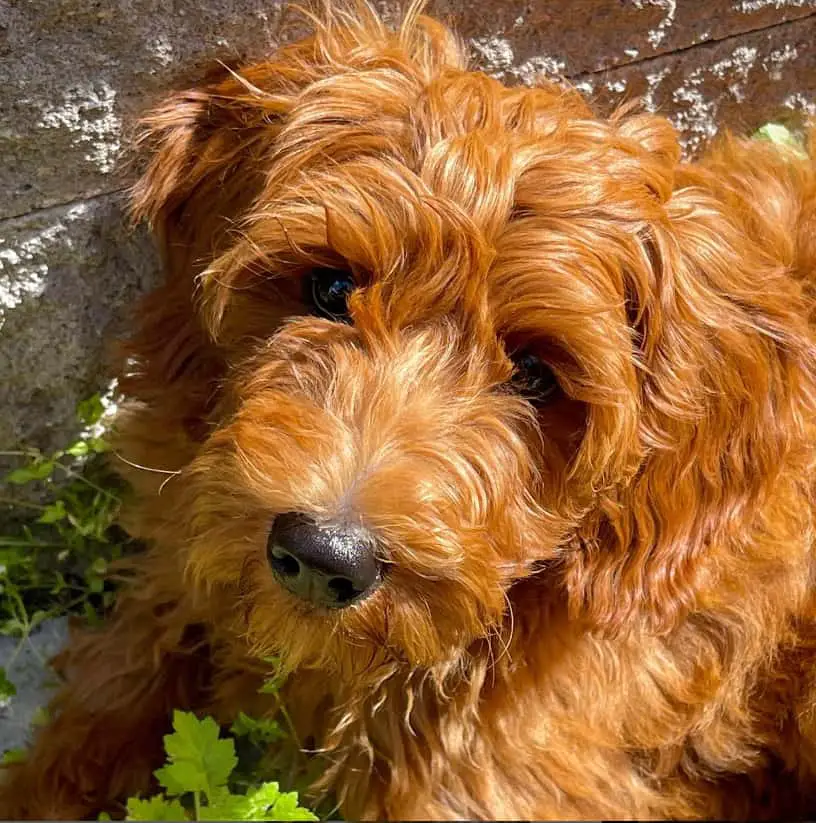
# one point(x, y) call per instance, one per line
point(602, 608)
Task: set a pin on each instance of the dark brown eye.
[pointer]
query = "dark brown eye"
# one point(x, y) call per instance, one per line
point(533, 378)
point(328, 290)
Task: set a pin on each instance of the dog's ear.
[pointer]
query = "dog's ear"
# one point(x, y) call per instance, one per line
point(727, 397)
point(207, 151)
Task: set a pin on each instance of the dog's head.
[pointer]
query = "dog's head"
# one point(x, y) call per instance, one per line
point(465, 340)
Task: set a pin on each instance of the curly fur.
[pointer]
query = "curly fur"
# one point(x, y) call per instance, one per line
point(600, 609)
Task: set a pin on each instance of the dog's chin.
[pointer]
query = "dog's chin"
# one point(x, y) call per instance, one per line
point(305, 636)
point(375, 635)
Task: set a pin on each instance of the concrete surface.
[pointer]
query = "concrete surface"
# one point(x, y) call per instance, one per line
point(25, 664)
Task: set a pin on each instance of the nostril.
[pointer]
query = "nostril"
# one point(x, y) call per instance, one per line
point(343, 590)
point(284, 563)
point(331, 565)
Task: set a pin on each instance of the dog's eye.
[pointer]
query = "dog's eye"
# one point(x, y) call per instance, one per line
point(329, 290)
point(533, 378)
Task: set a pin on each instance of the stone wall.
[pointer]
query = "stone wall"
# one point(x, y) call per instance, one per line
point(75, 73)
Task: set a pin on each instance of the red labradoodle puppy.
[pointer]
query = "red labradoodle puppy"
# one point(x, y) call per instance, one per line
point(491, 418)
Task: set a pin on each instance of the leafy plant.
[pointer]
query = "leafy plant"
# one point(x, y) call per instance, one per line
point(54, 555)
point(197, 776)
point(258, 733)
point(270, 747)
point(7, 688)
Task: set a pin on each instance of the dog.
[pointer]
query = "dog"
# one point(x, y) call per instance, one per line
point(492, 419)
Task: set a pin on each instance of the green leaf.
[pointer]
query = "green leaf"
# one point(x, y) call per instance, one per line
point(222, 805)
point(13, 756)
point(79, 449)
point(268, 803)
point(53, 513)
point(198, 759)
point(91, 410)
point(261, 800)
point(60, 583)
point(98, 445)
point(13, 627)
point(156, 808)
point(201, 762)
point(90, 615)
point(273, 683)
point(259, 732)
point(781, 136)
point(287, 808)
point(7, 688)
point(181, 777)
point(38, 470)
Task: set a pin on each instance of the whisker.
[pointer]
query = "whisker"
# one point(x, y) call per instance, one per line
point(166, 481)
point(506, 640)
point(146, 468)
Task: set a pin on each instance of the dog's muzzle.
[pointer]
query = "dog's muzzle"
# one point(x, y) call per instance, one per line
point(331, 566)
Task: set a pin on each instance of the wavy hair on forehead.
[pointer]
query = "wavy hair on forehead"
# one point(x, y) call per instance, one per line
point(470, 149)
point(346, 38)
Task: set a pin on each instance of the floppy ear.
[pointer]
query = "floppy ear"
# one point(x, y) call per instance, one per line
point(197, 181)
point(210, 150)
point(727, 399)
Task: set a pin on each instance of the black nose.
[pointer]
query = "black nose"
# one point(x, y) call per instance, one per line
point(331, 565)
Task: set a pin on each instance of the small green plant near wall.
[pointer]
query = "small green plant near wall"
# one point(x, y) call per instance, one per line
point(54, 556)
point(54, 560)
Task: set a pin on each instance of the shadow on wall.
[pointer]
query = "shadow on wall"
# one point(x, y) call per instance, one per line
point(67, 276)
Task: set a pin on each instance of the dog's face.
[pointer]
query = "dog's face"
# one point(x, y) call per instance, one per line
point(433, 295)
